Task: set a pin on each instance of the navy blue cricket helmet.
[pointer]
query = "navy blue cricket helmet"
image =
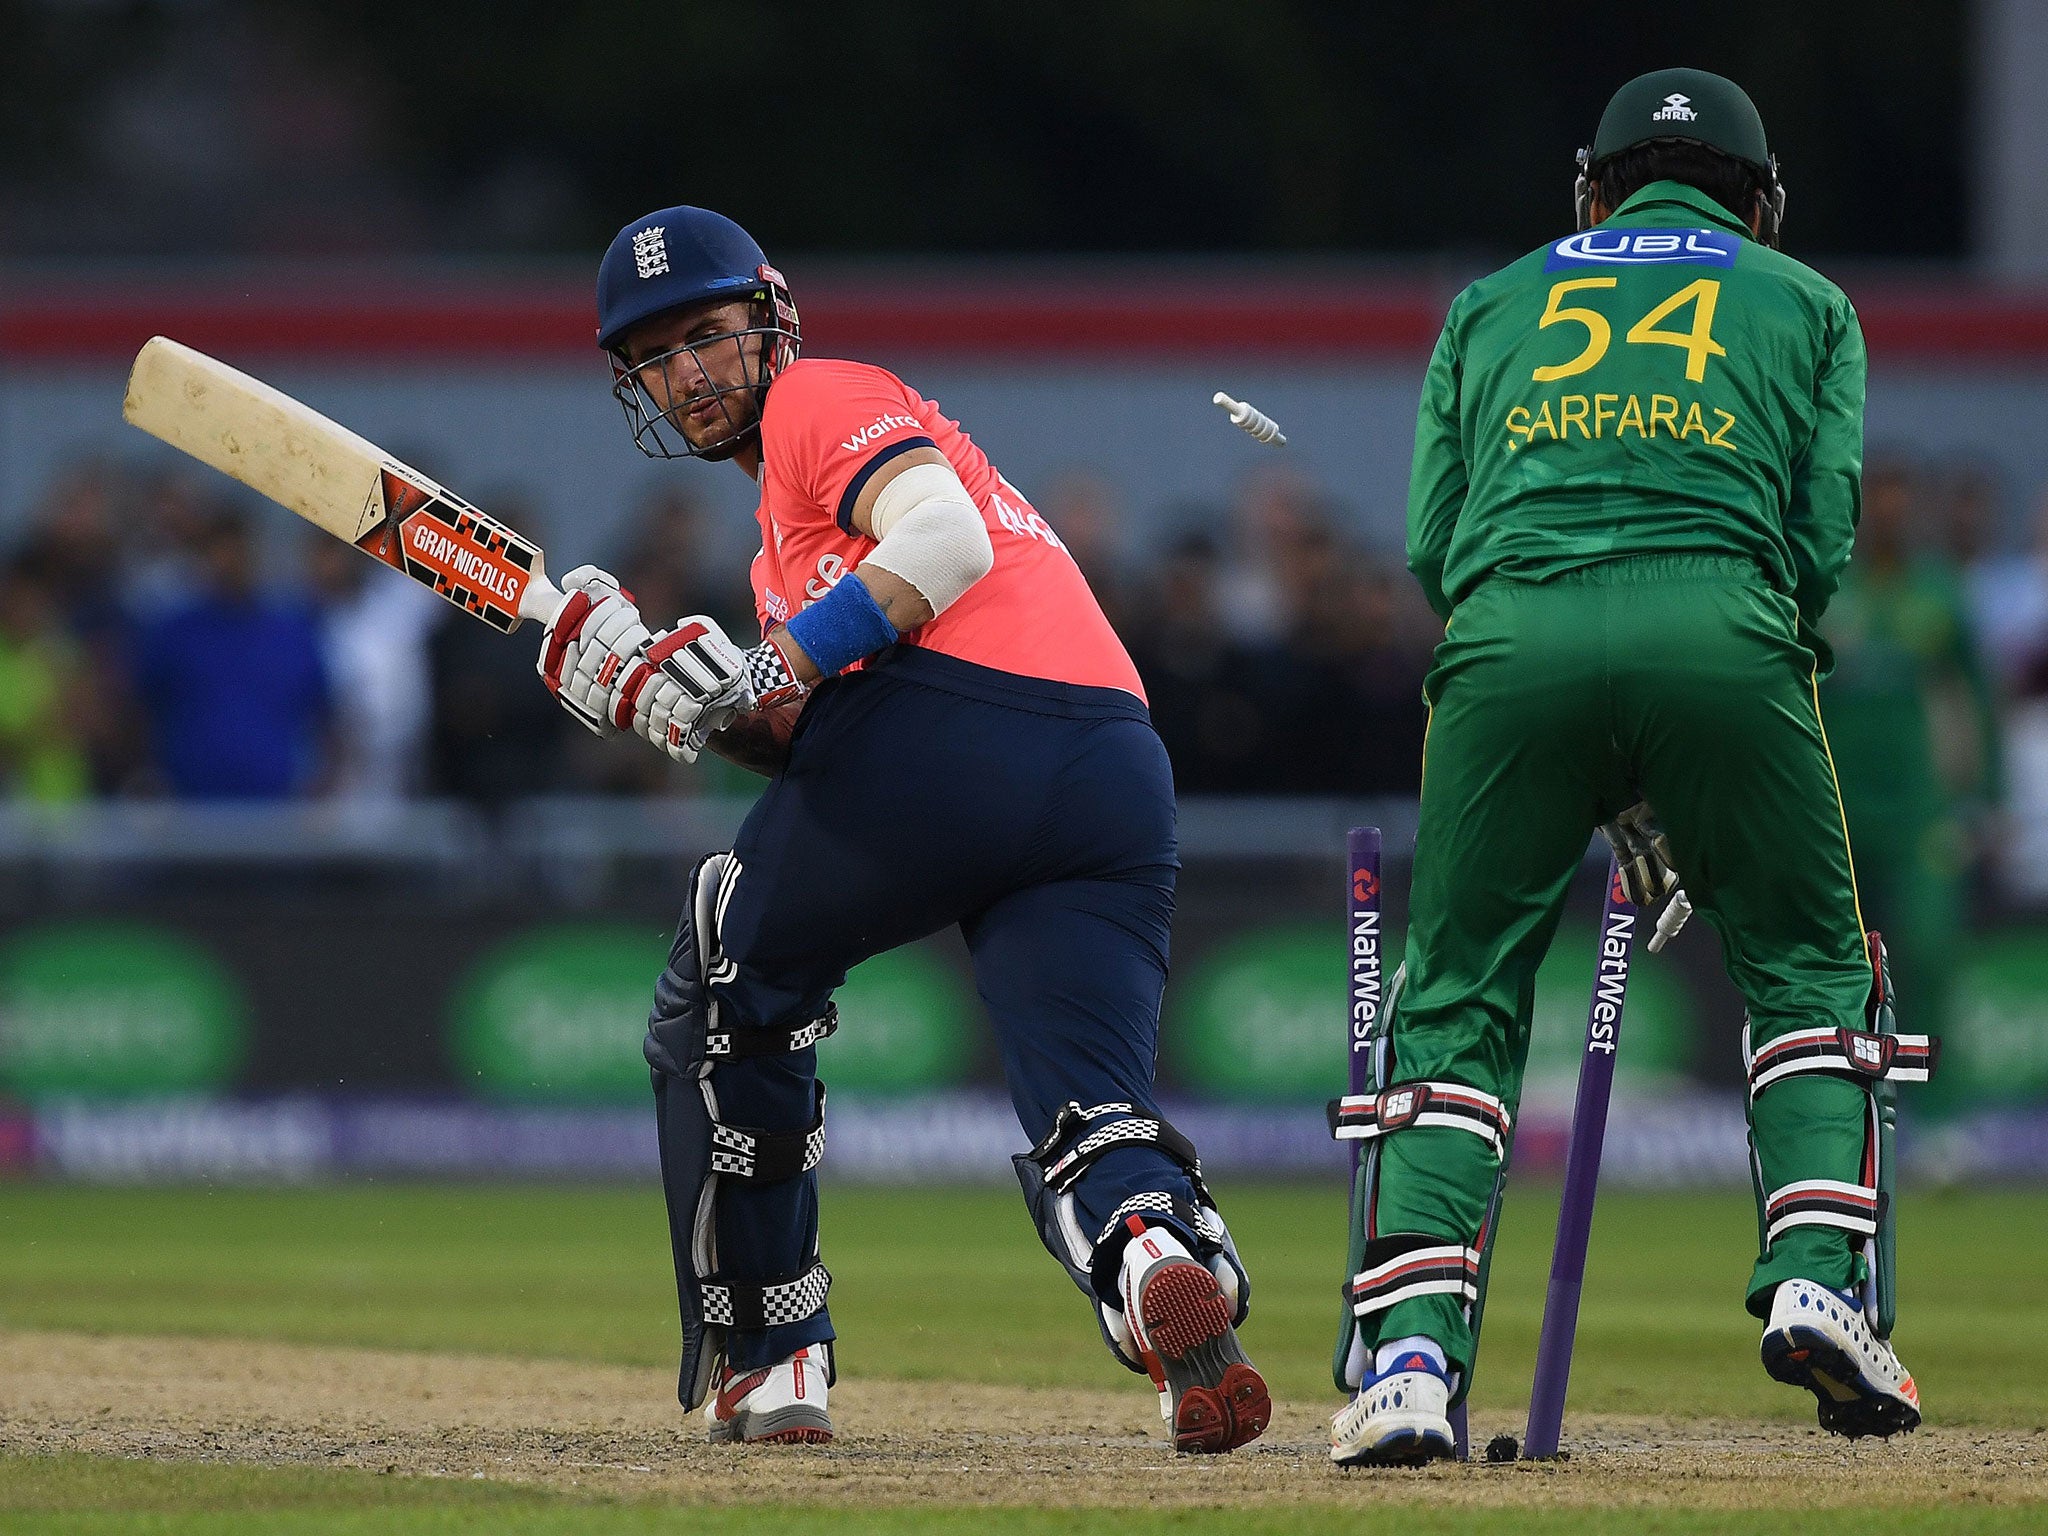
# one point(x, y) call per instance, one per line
point(669, 260)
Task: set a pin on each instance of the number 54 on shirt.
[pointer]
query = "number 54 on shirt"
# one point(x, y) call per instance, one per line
point(1697, 342)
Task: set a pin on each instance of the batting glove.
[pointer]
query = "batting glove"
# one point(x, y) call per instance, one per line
point(692, 681)
point(589, 644)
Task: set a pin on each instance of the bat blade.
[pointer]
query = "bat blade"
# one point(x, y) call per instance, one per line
point(338, 481)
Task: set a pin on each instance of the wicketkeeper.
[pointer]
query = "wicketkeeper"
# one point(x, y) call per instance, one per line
point(954, 737)
point(1635, 486)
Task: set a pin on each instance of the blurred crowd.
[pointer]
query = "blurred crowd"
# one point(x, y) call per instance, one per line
point(162, 637)
point(1279, 657)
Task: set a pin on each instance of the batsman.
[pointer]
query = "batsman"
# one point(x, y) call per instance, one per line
point(1635, 486)
point(954, 737)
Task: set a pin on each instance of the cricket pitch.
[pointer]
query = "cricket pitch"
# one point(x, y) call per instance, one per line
point(615, 1431)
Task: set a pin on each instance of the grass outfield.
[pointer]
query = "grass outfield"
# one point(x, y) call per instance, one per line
point(951, 1286)
point(82, 1496)
point(584, 1274)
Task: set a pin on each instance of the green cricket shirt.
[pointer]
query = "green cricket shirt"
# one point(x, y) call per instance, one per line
point(1656, 384)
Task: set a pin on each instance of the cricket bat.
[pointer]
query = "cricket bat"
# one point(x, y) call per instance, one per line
point(339, 482)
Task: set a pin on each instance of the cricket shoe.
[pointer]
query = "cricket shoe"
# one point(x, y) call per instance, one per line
point(1211, 1395)
point(782, 1404)
point(1400, 1418)
point(1820, 1340)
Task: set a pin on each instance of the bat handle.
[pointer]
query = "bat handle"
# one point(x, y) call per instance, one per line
point(541, 600)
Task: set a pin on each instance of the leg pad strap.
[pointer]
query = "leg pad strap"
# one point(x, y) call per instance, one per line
point(1203, 1221)
point(1368, 1116)
point(1405, 1265)
point(752, 1304)
point(746, 1152)
point(1860, 1055)
point(728, 1043)
point(1070, 1148)
point(1879, 1054)
point(1856, 1208)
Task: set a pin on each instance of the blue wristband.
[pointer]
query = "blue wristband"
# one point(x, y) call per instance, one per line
point(842, 627)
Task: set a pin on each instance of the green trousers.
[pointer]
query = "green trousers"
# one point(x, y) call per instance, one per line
point(1554, 705)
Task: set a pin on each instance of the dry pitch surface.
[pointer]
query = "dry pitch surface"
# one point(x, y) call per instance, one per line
point(615, 1431)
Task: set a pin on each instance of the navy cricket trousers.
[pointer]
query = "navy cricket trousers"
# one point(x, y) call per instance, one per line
point(922, 792)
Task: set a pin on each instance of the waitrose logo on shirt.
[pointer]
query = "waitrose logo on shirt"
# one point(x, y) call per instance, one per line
point(877, 429)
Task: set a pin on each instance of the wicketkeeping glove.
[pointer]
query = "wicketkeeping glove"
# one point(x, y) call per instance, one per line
point(1643, 852)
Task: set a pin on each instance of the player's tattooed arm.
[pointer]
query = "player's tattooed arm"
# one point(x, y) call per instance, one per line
point(759, 742)
point(901, 603)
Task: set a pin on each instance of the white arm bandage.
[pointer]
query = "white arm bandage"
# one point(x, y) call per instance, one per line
point(930, 533)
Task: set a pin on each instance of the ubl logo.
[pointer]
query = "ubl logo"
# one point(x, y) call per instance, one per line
point(1365, 885)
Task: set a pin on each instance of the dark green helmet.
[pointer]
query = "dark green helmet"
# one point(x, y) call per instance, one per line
point(1683, 104)
point(1689, 106)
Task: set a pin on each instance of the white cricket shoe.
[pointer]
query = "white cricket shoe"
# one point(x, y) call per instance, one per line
point(1819, 1340)
point(782, 1404)
point(1210, 1394)
point(1400, 1418)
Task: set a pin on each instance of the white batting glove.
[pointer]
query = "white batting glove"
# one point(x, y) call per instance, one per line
point(588, 646)
point(692, 681)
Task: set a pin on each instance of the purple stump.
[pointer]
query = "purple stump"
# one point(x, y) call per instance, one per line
point(1581, 1171)
point(1364, 946)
